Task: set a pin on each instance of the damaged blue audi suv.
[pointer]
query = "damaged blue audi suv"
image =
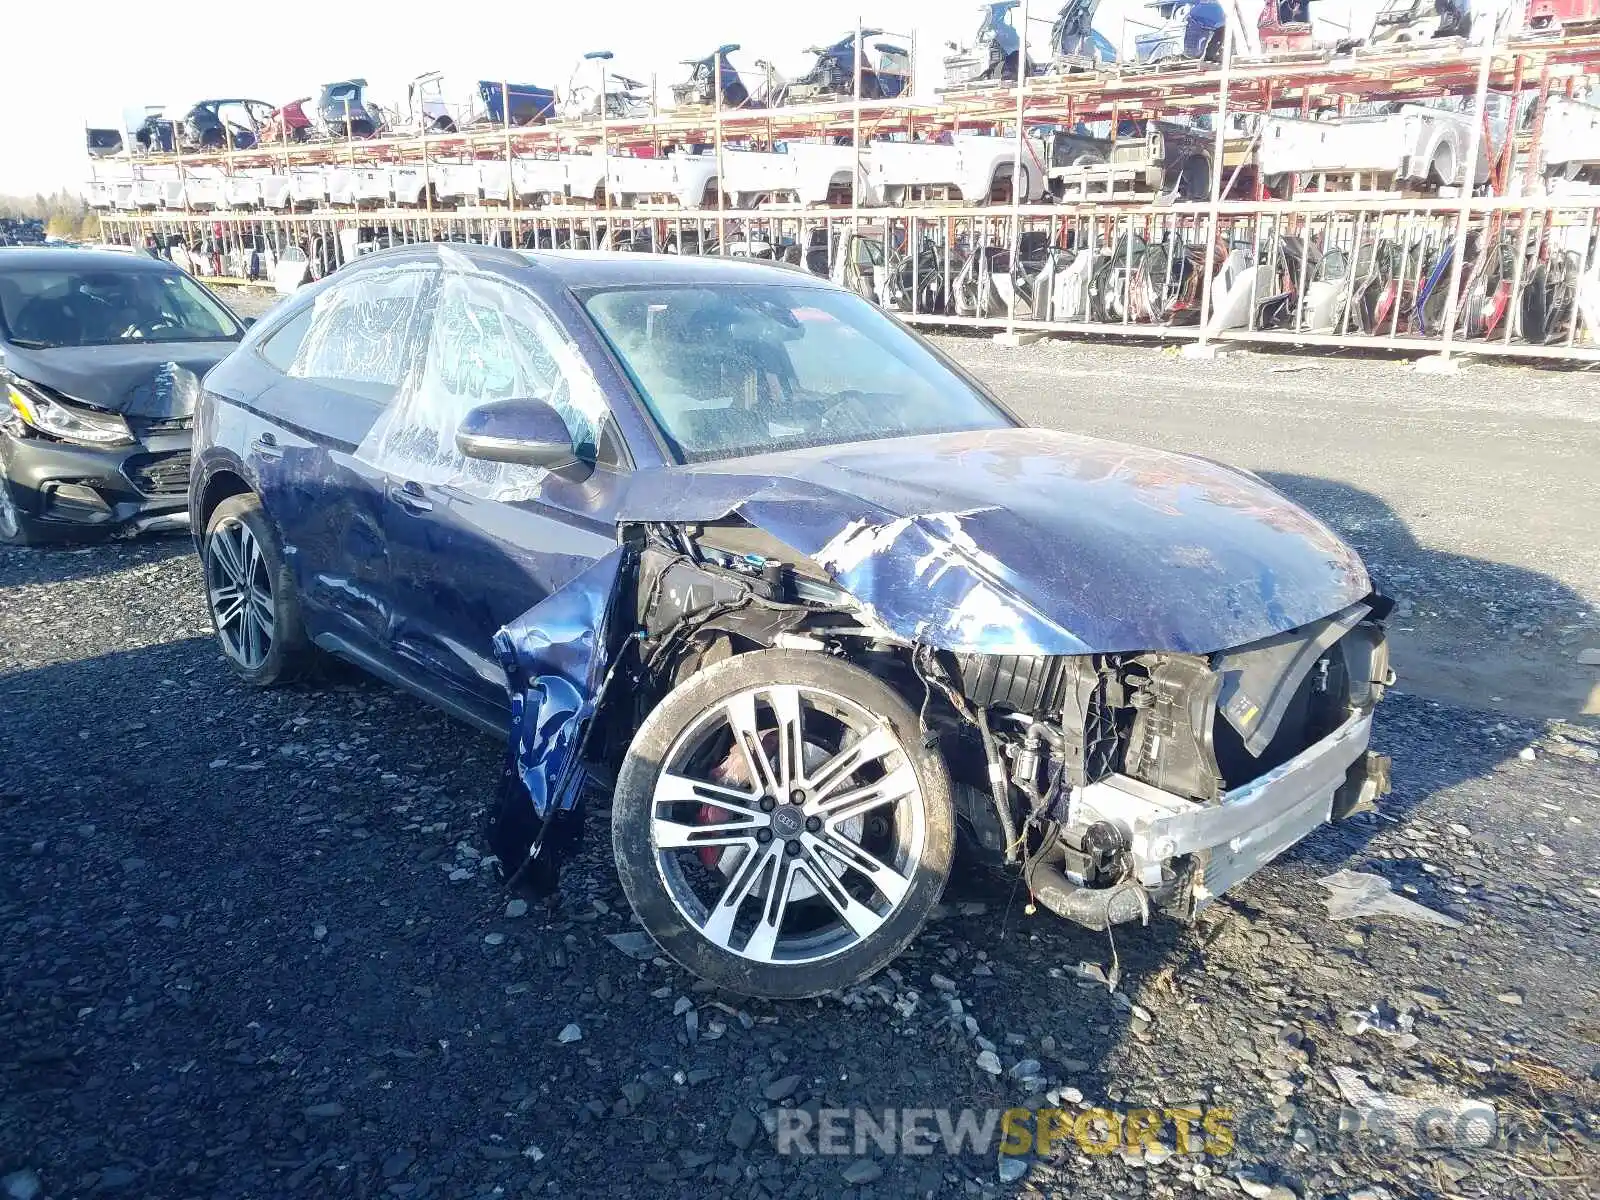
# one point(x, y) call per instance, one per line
point(736, 546)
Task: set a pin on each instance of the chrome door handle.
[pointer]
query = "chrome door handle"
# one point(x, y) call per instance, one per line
point(267, 447)
point(410, 497)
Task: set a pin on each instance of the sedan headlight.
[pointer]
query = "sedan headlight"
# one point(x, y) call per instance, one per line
point(69, 422)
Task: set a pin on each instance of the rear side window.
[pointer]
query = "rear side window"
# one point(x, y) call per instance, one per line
point(362, 334)
point(283, 344)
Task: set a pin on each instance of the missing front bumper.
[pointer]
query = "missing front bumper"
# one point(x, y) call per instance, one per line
point(1182, 855)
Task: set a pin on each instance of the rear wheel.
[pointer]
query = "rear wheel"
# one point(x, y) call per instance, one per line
point(250, 592)
point(779, 828)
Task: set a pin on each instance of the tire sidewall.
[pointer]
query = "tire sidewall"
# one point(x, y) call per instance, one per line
point(288, 636)
point(636, 857)
point(18, 536)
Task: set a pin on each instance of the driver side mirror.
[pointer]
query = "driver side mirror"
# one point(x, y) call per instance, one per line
point(528, 433)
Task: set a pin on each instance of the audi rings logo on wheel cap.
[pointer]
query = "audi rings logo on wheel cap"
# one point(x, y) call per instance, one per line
point(787, 821)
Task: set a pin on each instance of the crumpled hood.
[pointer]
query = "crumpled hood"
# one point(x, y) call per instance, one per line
point(137, 379)
point(1033, 541)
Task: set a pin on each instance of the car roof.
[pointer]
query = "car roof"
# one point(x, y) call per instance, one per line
point(580, 269)
point(592, 268)
point(60, 258)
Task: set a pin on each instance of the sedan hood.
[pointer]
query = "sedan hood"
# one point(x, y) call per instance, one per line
point(136, 379)
point(1032, 541)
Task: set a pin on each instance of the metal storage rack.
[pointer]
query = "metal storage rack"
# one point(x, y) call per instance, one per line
point(1549, 234)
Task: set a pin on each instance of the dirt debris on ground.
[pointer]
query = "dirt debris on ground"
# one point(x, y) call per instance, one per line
point(252, 947)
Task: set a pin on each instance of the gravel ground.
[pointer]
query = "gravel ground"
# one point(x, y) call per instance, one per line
point(250, 947)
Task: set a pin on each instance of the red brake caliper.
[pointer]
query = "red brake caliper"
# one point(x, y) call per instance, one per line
point(710, 814)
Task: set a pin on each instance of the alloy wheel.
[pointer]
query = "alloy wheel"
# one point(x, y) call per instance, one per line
point(239, 587)
point(787, 824)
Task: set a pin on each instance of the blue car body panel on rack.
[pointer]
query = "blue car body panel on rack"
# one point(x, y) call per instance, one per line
point(530, 104)
point(1189, 32)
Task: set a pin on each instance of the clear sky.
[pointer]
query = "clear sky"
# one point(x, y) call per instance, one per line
point(85, 63)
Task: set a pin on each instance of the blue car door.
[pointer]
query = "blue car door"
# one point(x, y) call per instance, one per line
point(472, 544)
point(337, 368)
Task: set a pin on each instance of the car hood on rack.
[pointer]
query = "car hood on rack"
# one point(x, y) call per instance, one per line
point(139, 379)
point(1031, 541)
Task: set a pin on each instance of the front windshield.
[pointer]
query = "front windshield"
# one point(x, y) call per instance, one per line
point(743, 369)
point(46, 308)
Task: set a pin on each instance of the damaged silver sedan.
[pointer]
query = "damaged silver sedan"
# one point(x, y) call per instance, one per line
point(732, 544)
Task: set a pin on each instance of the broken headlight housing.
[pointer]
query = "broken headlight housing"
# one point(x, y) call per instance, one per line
point(69, 422)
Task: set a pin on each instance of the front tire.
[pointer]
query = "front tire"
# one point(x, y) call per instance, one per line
point(779, 827)
point(255, 614)
point(13, 525)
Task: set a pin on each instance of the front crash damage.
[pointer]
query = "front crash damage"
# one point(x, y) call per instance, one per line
point(1201, 770)
point(555, 658)
point(1147, 675)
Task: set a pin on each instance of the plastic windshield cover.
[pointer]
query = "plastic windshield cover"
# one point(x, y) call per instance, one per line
point(489, 341)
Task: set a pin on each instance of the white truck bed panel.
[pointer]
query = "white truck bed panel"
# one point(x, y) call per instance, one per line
point(494, 178)
point(242, 191)
point(308, 187)
point(203, 191)
point(372, 183)
point(1571, 132)
point(683, 176)
point(807, 169)
point(276, 191)
point(456, 180)
point(1416, 144)
point(541, 176)
point(341, 185)
point(967, 164)
point(407, 184)
point(585, 173)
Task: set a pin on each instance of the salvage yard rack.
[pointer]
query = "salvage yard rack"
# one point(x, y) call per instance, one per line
point(1511, 272)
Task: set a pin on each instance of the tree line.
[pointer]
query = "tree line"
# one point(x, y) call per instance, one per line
point(65, 215)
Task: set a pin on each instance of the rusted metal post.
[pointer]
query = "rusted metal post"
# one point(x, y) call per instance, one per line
point(1502, 180)
point(1530, 169)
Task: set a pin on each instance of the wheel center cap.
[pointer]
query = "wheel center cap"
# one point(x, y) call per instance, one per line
point(788, 821)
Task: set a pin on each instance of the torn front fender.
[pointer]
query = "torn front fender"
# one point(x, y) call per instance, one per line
point(555, 656)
